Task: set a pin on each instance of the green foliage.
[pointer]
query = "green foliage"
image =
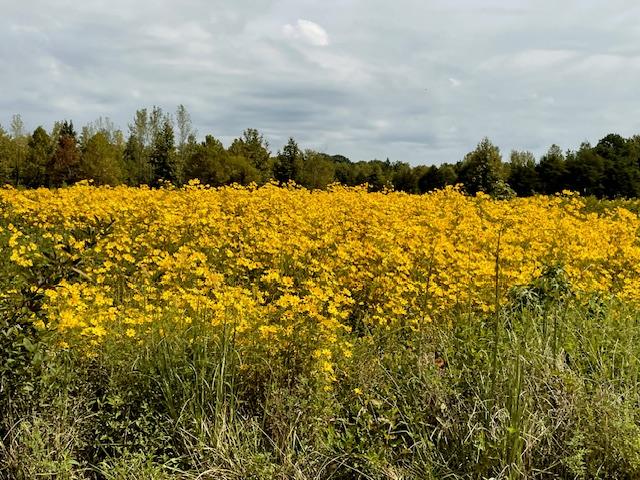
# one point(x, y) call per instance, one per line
point(213, 165)
point(162, 156)
point(318, 170)
point(289, 163)
point(552, 171)
point(35, 171)
point(522, 175)
point(136, 162)
point(161, 148)
point(434, 178)
point(64, 166)
point(102, 160)
point(16, 150)
point(409, 404)
point(5, 156)
point(480, 170)
point(253, 147)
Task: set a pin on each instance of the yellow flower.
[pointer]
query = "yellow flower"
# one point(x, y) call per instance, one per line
point(289, 270)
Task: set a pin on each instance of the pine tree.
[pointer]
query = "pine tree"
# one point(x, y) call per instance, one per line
point(289, 163)
point(163, 153)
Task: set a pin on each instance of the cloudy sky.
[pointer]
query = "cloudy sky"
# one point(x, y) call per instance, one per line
point(420, 81)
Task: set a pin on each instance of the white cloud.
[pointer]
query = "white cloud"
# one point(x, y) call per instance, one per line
point(236, 65)
point(540, 58)
point(307, 31)
point(530, 60)
point(24, 29)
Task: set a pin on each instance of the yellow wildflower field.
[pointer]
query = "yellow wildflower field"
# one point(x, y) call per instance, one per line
point(288, 268)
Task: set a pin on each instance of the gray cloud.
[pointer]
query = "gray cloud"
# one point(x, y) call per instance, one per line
point(420, 81)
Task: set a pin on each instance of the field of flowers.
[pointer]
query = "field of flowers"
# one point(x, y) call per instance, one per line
point(282, 266)
point(296, 281)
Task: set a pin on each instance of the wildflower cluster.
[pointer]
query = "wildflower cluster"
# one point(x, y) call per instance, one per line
point(297, 273)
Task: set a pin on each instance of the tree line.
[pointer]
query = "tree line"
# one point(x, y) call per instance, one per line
point(162, 147)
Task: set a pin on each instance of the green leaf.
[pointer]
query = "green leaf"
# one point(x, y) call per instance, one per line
point(28, 345)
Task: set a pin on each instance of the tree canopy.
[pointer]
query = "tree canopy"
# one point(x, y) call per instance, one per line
point(162, 147)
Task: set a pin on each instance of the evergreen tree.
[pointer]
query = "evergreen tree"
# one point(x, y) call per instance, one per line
point(288, 163)
point(162, 157)
point(137, 168)
point(552, 171)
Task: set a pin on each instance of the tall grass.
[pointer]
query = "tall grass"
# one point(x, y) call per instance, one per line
point(546, 386)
